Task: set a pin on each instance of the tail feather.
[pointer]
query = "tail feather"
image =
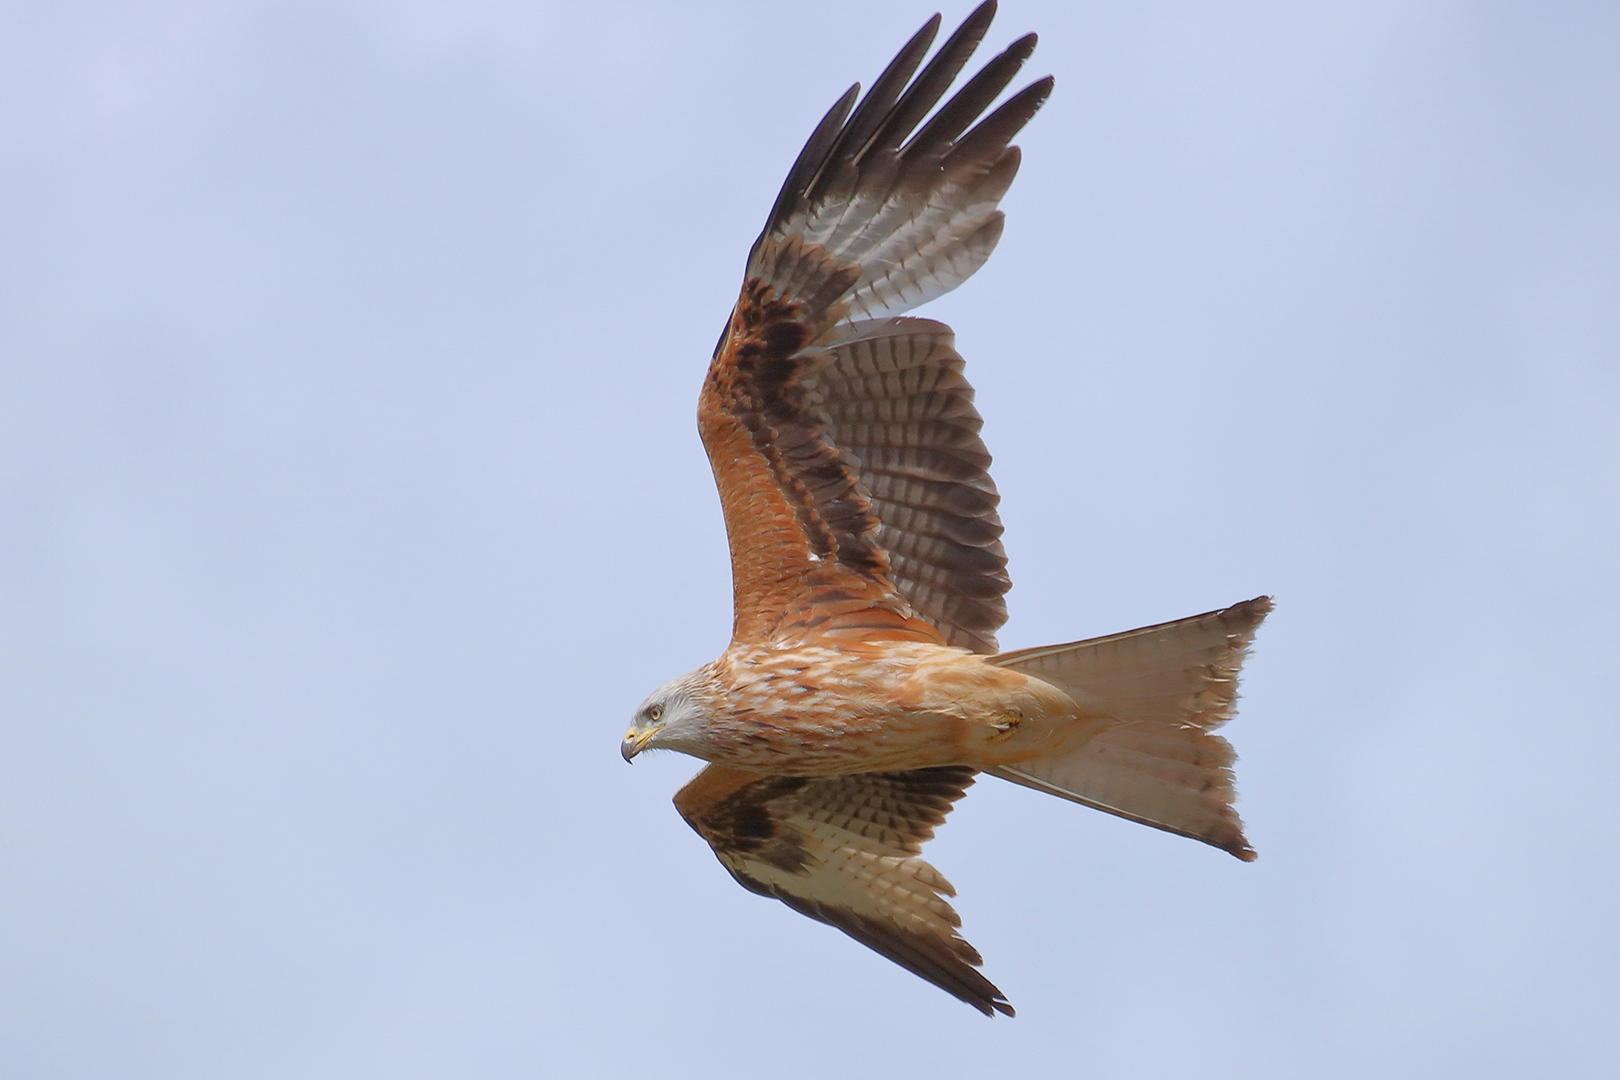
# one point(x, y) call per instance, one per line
point(1167, 688)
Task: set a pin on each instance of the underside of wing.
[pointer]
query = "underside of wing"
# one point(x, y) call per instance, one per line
point(892, 397)
point(844, 850)
point(843, 438)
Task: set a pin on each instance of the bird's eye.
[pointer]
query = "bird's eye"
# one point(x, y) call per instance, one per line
point(655, 713)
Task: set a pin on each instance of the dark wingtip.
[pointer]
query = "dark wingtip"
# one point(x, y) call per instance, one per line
point(986, 1004)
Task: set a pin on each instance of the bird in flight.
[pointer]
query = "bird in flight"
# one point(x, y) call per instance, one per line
point(863, 690)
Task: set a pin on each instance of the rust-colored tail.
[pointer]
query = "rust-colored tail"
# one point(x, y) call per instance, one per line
point(1168, 687)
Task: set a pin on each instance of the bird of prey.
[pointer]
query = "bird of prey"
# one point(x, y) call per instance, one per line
point(862, 690)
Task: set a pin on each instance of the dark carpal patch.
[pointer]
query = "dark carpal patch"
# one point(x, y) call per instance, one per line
point(749, 822)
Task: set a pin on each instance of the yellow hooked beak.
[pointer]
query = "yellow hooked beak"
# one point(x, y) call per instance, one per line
point(635, 742)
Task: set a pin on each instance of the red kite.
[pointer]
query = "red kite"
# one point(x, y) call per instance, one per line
point(862, 690)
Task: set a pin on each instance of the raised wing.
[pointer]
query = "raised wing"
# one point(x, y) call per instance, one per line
point(843, 439)
point(844, 850)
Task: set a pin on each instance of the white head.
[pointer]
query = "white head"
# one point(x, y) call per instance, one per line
point(672, 718)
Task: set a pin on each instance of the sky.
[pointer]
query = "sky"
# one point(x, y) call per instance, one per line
point(351, 500)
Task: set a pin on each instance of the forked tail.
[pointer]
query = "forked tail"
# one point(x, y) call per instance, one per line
point(1168, 687)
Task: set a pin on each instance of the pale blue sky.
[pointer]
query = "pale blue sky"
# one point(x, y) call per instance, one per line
point(350, 500)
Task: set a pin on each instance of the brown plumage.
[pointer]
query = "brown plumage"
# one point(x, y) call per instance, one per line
point(862, 688)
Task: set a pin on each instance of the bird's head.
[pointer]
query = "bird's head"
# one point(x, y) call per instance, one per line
point(672, 718)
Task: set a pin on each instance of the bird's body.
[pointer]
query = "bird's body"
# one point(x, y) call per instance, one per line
point(863, 689)
point(830, 709)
